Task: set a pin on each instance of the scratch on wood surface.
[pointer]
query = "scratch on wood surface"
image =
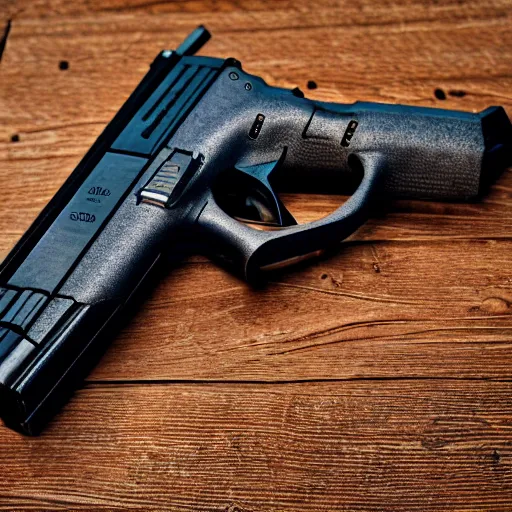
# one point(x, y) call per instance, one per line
point(38, 158)
point(63, 126)
point(203, 295)
point(381, 336)
point(353, 295)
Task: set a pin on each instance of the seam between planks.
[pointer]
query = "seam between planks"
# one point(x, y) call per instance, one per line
point(249, 383)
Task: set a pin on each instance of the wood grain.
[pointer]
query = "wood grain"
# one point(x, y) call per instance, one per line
point(395, 446)
point(376, 378)
point(326, 320)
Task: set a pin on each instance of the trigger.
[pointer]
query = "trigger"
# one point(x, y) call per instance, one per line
point(261, 199)
point(245, 193)
point(269, 209)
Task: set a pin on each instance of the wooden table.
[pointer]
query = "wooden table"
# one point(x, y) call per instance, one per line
point(376, 379)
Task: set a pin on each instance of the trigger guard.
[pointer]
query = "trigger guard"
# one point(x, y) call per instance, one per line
point(250, 250)
point(299, 241)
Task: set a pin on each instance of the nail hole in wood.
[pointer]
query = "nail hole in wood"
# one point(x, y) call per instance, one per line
point(440, 94)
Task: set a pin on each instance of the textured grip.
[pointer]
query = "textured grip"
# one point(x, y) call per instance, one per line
point(430, 153)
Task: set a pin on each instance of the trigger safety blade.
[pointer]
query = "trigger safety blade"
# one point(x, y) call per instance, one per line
point(271, 210)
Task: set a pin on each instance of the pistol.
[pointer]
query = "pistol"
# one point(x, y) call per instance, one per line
point(192, 162)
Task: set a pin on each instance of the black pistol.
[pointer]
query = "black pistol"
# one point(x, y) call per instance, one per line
point(192, 161)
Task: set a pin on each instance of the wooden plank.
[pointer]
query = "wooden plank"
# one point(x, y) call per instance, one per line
point(431, 445)
point(372, 311)
point(328, 11)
